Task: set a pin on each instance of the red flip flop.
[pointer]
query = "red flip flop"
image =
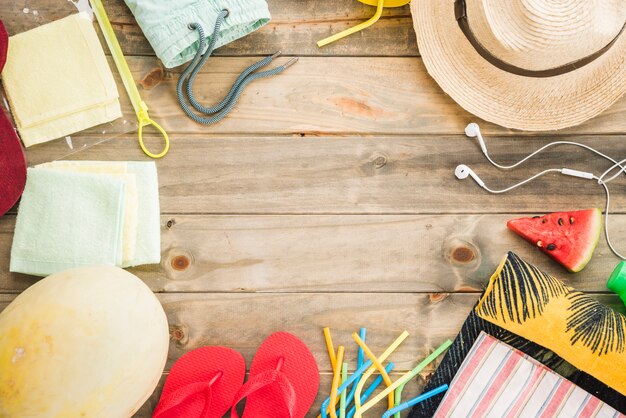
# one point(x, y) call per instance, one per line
point(284, 380)
point(12, 158)
point(202, 384)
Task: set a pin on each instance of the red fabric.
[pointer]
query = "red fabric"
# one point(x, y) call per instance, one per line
point(285, 392)
point(187, 392)
point(12, 158)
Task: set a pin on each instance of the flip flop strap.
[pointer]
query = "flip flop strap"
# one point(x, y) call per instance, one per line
point(180, 395)
point(262, 380)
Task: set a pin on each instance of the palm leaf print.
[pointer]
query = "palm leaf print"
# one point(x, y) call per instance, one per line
point(598, 327)
point(521, 291)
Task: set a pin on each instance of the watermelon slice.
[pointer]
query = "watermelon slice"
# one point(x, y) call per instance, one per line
point(567, 237)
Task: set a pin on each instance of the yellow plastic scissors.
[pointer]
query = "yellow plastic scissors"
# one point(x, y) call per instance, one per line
point(380, 5)
point(141, 109)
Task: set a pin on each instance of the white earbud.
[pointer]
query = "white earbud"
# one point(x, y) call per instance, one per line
point(462, 172)
point(473, 131)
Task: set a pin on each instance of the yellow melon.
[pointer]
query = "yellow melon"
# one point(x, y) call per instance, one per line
point(86, 342)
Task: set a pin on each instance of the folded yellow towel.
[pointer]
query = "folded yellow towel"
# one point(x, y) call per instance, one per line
point(58, 81)
point(118, 170)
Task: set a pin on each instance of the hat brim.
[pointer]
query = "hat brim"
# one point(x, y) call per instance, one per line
point(510, 100)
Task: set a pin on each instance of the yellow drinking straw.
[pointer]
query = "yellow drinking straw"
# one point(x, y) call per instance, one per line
point(380, 5)
point(335, 385)
point(333, 361)
point(330, 347)
point(405, 377)
point(141, 109)
point(376, 364)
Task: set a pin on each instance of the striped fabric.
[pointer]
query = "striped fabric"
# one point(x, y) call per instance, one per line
point(496, 380)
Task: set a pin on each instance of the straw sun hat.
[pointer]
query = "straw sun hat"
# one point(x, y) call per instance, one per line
point(526, 64)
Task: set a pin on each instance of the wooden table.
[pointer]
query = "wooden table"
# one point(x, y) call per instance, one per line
point(327, 197)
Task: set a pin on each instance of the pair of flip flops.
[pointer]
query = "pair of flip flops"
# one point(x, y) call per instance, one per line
point(12, 158)
point(209, 381)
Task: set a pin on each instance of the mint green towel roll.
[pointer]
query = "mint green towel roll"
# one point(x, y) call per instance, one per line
point(67, 219)
point(166, 23)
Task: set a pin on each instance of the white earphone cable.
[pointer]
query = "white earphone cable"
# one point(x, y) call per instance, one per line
point(613, 167)
point(606, 219)
point(553, 144)
point(528, 180)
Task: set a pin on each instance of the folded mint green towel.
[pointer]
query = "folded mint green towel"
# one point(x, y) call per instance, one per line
point(67, 219)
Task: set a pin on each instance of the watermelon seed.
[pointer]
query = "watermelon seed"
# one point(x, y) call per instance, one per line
point(551, 247)
point(539, 244)
point(544, 220)
point(561, 221)
point(535, 217)
point(571, 220)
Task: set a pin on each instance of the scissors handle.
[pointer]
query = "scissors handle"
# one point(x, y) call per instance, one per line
point(144, 120)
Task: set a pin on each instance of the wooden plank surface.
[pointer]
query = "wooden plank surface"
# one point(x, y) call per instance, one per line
point(327, 197)
point(348, 253)
point(380, 174)
point(322, 96)
point(328, 95)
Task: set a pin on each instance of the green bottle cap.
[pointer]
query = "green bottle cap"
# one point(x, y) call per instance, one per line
point(617, 281)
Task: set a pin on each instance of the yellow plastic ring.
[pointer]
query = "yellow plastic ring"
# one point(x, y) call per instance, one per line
point(166, 139)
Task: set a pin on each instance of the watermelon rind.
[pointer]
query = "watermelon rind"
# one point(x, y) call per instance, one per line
point(592, 248)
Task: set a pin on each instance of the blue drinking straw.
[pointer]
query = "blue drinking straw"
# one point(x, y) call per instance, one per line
point(415, 401)
point(363, 335)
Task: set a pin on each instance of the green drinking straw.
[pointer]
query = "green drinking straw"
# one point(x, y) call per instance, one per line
point(342, 402)
point(398, 398)
point(407, 376)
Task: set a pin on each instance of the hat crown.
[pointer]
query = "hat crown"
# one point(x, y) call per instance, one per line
point(543, 34)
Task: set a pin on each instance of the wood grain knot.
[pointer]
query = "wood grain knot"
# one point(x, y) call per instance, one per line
point(178, 334)
point(153, 78)
point(463, 255)
point(380, 161)
point(170, 223)
point(180, 262)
